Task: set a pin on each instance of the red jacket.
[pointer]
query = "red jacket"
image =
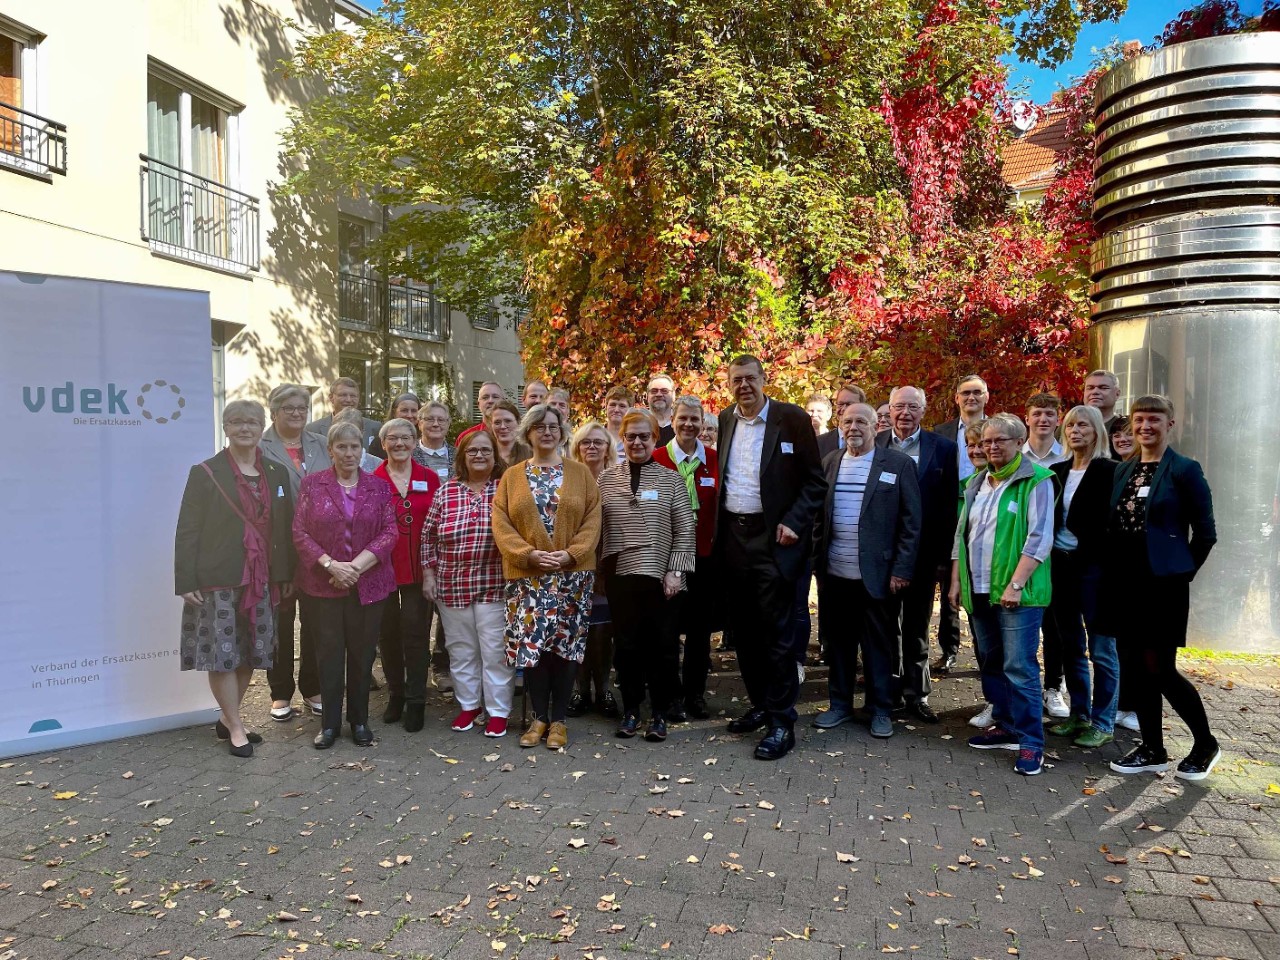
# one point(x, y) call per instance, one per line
point(423, 484)
point(707, 479)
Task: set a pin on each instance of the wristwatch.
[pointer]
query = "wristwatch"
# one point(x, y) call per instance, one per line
point(1016, 585)
point(327, 562)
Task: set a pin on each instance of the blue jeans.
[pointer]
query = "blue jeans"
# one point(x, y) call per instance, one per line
point(1007, 642)
point(1075, 589)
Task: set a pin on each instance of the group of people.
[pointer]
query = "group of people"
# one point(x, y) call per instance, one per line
point(559, 556)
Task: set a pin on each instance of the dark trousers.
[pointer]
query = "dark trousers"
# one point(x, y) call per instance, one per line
point(853, 620)
point(405, 642)
point(948, 616)
point(597, 660)
point(801, 626)
point(280, 676)
point(1158, 668)
point(642, 641)
point(916, 604)
point(759, 602)
point(550, 685)
point(346, 642)
point(1051, 652)
point(690, 613)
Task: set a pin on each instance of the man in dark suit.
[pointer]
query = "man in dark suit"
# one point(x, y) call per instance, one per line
point(770, 489)
point(935, 459)
point(344, 392)
point(846, 397)
point(865, 542)
point(971, 398)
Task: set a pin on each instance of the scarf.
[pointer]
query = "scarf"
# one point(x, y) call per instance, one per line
point(256, 511)
point(688, 468)
point(1007, 471)
point(635, 475)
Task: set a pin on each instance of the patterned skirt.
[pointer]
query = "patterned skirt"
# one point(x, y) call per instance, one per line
point(217, 636)
point(549, 613)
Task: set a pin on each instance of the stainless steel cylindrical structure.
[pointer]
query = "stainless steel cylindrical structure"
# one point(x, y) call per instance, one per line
point(1186, 294)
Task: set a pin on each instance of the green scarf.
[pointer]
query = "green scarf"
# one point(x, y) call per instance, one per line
point(1007, 471)
point(687, 470)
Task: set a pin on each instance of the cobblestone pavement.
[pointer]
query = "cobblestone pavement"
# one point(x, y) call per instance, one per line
point(439, 844)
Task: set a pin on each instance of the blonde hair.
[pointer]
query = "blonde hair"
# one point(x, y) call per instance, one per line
point(1101, 439)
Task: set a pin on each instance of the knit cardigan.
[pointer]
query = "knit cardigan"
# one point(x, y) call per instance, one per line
point(518, 528)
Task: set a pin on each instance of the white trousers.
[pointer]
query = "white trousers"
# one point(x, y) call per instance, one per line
point(476, 639)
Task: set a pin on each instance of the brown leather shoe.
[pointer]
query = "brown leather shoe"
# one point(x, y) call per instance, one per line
point(533, 736)
point(557, 736)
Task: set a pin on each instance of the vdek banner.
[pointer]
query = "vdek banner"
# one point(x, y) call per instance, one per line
point(106, 400)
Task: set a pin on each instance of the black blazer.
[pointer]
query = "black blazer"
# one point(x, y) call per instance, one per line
point(939, 477)
point(1180, 527)
point(369, 428)
point(1090, 507)
point(888, 526)
point(829, 443)
point(791, 483)
point(209, 544)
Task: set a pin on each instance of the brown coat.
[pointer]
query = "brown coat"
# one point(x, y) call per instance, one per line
point(518, 527)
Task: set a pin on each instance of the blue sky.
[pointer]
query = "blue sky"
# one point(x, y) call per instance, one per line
point(1143, 21)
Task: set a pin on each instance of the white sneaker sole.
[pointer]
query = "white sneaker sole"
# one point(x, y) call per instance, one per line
point(1200, 776)
point(981, 721)
point(282, 715)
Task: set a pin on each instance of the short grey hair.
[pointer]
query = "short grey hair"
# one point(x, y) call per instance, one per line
point(344, 429)
point(434, 404)
point(688, 400)
point(1008, 425)
point(244, 408)
point(349, 415)
point(282, 394)
point(395, 422)
point(536, 415)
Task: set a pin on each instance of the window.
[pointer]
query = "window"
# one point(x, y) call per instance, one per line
point(191, 207)
point(428, 381)
point(361, 296)
point(487, 317)
point(29, 143)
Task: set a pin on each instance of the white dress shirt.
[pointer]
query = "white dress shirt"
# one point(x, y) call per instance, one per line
point(742, 472)
point(1055, 454)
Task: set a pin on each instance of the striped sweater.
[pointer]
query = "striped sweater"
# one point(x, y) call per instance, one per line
point(655, 534)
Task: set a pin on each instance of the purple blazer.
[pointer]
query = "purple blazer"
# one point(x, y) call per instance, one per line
point(320, 527)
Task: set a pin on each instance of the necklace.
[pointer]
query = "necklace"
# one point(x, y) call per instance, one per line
point(349, 486)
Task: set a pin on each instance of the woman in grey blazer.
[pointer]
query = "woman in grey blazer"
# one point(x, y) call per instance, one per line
point(300, 453)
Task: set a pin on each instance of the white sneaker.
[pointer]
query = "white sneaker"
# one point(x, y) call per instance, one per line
point(800, 672)
point(982, 720)
point(1128, 719)
point(1055, 704)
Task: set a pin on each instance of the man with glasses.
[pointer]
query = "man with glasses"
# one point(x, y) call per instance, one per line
point(344, 394)
point(846, 397)
point(662, 394)
point(935, 461)
point(771, 488)
point(488, 397)
point(433, 449)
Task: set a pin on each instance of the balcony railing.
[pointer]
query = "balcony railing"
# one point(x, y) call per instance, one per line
point(193, 218)
point(364, 302)
point(31, 143)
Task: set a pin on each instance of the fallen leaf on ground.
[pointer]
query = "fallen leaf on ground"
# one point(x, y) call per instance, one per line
point(765, 805)
point(66, 794)
point(846, 857)
point(577, 843)
point(720, 929)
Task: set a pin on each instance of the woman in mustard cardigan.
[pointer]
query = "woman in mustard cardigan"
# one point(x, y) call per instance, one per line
point(546, 522)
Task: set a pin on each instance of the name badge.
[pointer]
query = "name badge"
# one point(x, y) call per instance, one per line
point(787, 448)
point(706, 481)
point(442, 473)
point(1144, 492)
point(888, 478)
point(280, 491)
point(648, 494)
point(418, 486)
point(1013, 507)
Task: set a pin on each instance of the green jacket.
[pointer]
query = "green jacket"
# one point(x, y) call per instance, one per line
point(1011, 537)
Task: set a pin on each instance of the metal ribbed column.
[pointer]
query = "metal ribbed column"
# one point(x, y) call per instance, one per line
point(1186, 294)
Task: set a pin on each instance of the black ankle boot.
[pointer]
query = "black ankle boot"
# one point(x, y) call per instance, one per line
point(414, 717)
point(395, 708)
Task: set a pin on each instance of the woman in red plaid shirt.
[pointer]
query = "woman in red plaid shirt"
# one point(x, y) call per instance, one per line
point(462, 574)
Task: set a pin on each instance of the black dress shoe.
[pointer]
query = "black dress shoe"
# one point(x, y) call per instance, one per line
point(395, 709)
point(244, 751)
point(361, 735)
point(325, 739)
point(676, 712)
point(627, 728)
point(921, 710)
point(698, 708)
point(776, 745)
point(946, 663)
point(609, 704)
point(657, 731)
point(577, 705)
point(223, 733)
point(750, 721)
point(414, 717)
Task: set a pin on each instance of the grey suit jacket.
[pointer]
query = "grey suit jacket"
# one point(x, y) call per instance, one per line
point(315, 456)
point(321, 429)
point(888, 526)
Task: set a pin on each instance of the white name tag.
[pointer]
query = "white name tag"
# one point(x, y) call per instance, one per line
point(888, 478)
point(648, 495)
point(1013, 506)
point(706, 481)
point(279, 491)
point(1144, 492)
point(442, 473)
point(787, 448)
point(418, 486)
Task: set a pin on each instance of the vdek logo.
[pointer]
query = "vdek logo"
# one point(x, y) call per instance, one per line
point(158, 401)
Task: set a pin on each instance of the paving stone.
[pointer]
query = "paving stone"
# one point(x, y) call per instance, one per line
point(1220, 942)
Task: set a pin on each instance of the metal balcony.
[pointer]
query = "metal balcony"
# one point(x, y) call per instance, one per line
point(32, 144)
point(364, 303)
point(189, 217)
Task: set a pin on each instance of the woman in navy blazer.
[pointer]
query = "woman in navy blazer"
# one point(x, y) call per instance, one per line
point(1159, 535)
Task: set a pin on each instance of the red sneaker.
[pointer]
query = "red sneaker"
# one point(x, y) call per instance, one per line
point(496, 727)
point(465, 720)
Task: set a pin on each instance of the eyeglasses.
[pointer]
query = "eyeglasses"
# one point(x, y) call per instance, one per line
point(237, 424)
point(433, 419)
point(593, 442)
point(294, 409)
point(399, 438)
point(899, 407)
point(988, 444)
point(546, 428)
point(480, 452)
point(637, 437)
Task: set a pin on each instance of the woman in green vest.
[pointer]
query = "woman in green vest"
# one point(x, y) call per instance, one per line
point(1001, 576)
